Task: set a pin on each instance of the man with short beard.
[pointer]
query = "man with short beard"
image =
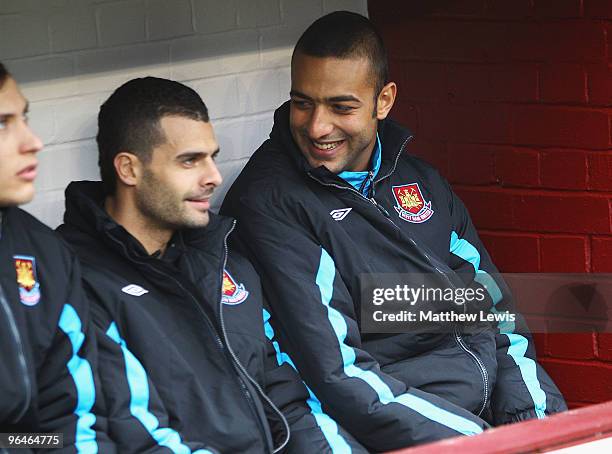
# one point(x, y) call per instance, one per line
point(48, 371)
point(187, 352)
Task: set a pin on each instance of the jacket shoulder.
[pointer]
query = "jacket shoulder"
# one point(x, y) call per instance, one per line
point(427, 173)
point(421, 166)
point(238, 261)
point(102, 277)
point(270, 177)
point(41, 238)
point(19, 218)
point(397, 135)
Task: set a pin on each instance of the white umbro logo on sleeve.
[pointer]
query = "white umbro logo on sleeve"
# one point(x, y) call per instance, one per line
point(134, 290)
point(338, 215)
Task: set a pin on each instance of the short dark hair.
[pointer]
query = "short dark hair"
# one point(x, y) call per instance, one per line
point(343, 34)
point(4, 74)
point(129, 120)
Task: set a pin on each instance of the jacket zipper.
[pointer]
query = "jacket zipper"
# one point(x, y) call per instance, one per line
point(381, 209)
point(218, 340)
point(20, 351)
point(481, 367)
point(408, 139)
point(20, 354)
point(458, 338)
point(235, 358)
point(366, 180)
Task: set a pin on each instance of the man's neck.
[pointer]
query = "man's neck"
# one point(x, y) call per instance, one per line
point(124, 212)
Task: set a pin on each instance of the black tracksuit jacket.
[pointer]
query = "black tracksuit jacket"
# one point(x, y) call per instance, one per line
point(48, 375)
point(187, 363)
point(407, 388)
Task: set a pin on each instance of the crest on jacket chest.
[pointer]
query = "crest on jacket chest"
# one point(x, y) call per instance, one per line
point(410, 204)
point(232, 292)
point(29, 288)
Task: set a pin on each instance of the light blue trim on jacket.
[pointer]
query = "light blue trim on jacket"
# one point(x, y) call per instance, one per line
point(82, 375)
point(139, 400)
point(328, 426)
point(465, 250)
point(518, 344)
point(527, 366)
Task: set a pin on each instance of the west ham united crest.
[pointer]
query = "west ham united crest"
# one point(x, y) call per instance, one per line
point(29, 288)
point(410, 204)
point(233, 293)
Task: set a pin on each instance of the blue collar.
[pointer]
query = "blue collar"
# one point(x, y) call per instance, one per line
point(357, 179)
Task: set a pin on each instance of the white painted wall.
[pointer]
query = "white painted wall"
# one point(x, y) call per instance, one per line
point(69, 55)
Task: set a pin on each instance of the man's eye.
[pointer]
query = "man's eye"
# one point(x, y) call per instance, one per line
point(300, 104)
point(3, 124)
point(26, 118)
point(189, 162)
point(342, 108)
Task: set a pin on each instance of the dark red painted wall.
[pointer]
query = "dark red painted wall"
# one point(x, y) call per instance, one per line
point(512, 101)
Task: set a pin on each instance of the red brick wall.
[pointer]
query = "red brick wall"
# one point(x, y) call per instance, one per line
point(512, 101)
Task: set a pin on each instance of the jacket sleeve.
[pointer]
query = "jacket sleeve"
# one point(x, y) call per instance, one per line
point(70, 399)
point(317, 326)
point(137, 419)
point(523, 390)
point(312, 430)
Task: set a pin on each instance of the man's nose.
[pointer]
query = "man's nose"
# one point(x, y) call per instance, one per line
point(29, 142)
point(320, 123)
point(212, 176)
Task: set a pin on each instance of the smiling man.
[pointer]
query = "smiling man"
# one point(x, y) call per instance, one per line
point(333, 113)
point(334, 195)
point(187, 358)
point(48, 374)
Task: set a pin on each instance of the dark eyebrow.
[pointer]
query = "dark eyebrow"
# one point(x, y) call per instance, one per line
point(26, 109)
point(196, 154)
point(344, 98)
point(341, 98)
point(188, 155)
point(299, 95)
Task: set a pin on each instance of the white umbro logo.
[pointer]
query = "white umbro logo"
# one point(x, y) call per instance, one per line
point(340, 214)
point(134, 290)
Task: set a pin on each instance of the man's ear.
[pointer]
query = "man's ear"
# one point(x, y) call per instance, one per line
point(128, 168)
point(385, 100)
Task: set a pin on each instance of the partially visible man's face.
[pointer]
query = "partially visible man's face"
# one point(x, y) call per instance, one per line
point(332, 115)
point(18, 148)
point(175, 189)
